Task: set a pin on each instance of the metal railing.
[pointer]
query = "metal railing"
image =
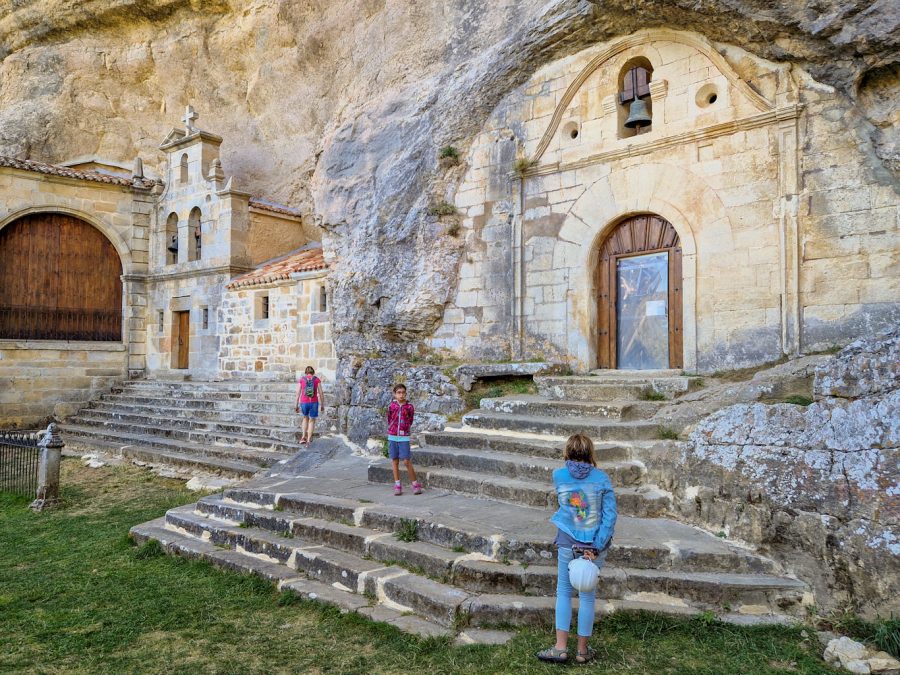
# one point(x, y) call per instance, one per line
point(29, 465)
point(20, 458)
point(48, 323)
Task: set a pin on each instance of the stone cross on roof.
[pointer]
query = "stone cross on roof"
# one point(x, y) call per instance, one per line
point(189, 116)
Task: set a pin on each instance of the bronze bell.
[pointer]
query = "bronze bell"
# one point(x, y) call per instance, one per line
point(173, 247)
point(638, 115)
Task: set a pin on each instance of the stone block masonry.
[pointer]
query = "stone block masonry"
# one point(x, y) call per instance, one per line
point(47, 379)
point(295, 333)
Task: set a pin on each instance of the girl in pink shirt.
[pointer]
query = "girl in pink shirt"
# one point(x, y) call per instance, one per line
point(310, 402)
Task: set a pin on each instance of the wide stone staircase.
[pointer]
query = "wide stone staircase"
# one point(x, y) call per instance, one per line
point(475, 550)
point(232, 428)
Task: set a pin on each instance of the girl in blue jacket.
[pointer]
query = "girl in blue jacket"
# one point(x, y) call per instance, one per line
point(585, 519)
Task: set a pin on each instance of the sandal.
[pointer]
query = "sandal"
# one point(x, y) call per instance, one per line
point(585, 657)
point(553, 655)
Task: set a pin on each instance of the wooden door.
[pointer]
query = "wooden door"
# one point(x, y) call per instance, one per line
point(638, 236)
point(60, 279)
point(181, 339)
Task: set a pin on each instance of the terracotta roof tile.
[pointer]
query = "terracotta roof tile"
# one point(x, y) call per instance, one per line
point(274, 208)
point(65, 172)
point(304, 260)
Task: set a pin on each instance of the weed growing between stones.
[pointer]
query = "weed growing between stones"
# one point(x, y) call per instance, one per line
point(668, 434)
point(652, 395)
point(407, 530)
point(497, 388)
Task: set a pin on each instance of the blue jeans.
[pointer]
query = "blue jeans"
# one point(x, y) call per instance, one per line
point(564, 592)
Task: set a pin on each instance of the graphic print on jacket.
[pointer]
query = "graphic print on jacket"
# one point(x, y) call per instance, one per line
point(587, 504)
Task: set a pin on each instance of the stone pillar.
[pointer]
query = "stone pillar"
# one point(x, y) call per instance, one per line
point(51, 446)
point(789, 236)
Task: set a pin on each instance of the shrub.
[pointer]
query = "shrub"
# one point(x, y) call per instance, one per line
point(448, 152)
point(442, 208)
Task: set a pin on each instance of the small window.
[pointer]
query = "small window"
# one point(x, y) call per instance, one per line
point(183, 173)
point(160, 318)
point(323, 299)
point(204, 316)
point(262, 306)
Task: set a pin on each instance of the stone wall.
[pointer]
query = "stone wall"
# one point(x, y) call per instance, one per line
point(123, 214)
point(296, 334)
point(817, 487)
point(50, 378)
point(754, 182)
point(365, 390)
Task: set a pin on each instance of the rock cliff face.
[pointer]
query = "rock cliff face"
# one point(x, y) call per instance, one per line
point(340, 108)
point(817, 485)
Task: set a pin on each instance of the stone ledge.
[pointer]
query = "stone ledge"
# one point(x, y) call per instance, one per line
point(63, 345)
point(466, 374)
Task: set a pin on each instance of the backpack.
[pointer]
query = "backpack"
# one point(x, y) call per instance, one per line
point(309, 387)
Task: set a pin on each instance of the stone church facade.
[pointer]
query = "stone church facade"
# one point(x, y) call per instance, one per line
point(732, 222)
point(206, 281)
point(652, 202)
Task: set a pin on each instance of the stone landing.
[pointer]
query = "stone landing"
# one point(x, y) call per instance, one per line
point(326, 525)
point(234, 428)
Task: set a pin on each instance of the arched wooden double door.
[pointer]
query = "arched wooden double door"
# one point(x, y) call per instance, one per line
point(60, 279)
point(639, 302)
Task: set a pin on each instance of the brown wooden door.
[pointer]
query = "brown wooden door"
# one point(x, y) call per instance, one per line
point(60, 279)
point(181, 338)
point(645, 236)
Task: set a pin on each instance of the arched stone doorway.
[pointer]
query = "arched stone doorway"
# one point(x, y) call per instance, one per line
point(60, 279)
point(639, 282)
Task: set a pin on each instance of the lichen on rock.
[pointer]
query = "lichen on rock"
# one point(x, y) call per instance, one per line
point(819, 485)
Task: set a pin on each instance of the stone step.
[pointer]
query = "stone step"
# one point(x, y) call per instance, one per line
point(704, 590)
point(544, 407)
point(285, 578)
point(187, 430)
point(250, 419)
point(196, 435)
point(332, 553)
point(600, 430)
point(609, 452)
point(223, 466)
point(511, 465)
point(611, 386)
point(149, 439)
point(213, 385)
point(645, 501)
point(639, 543)
point(219, 404)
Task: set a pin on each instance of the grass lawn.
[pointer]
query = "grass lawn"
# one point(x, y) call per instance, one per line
point(76, 596)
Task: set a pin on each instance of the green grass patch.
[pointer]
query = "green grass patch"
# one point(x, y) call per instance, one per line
point(77, 597)
point(498, 387)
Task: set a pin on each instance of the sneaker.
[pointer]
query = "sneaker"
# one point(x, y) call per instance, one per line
point(417, 488)
point(398, 489)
